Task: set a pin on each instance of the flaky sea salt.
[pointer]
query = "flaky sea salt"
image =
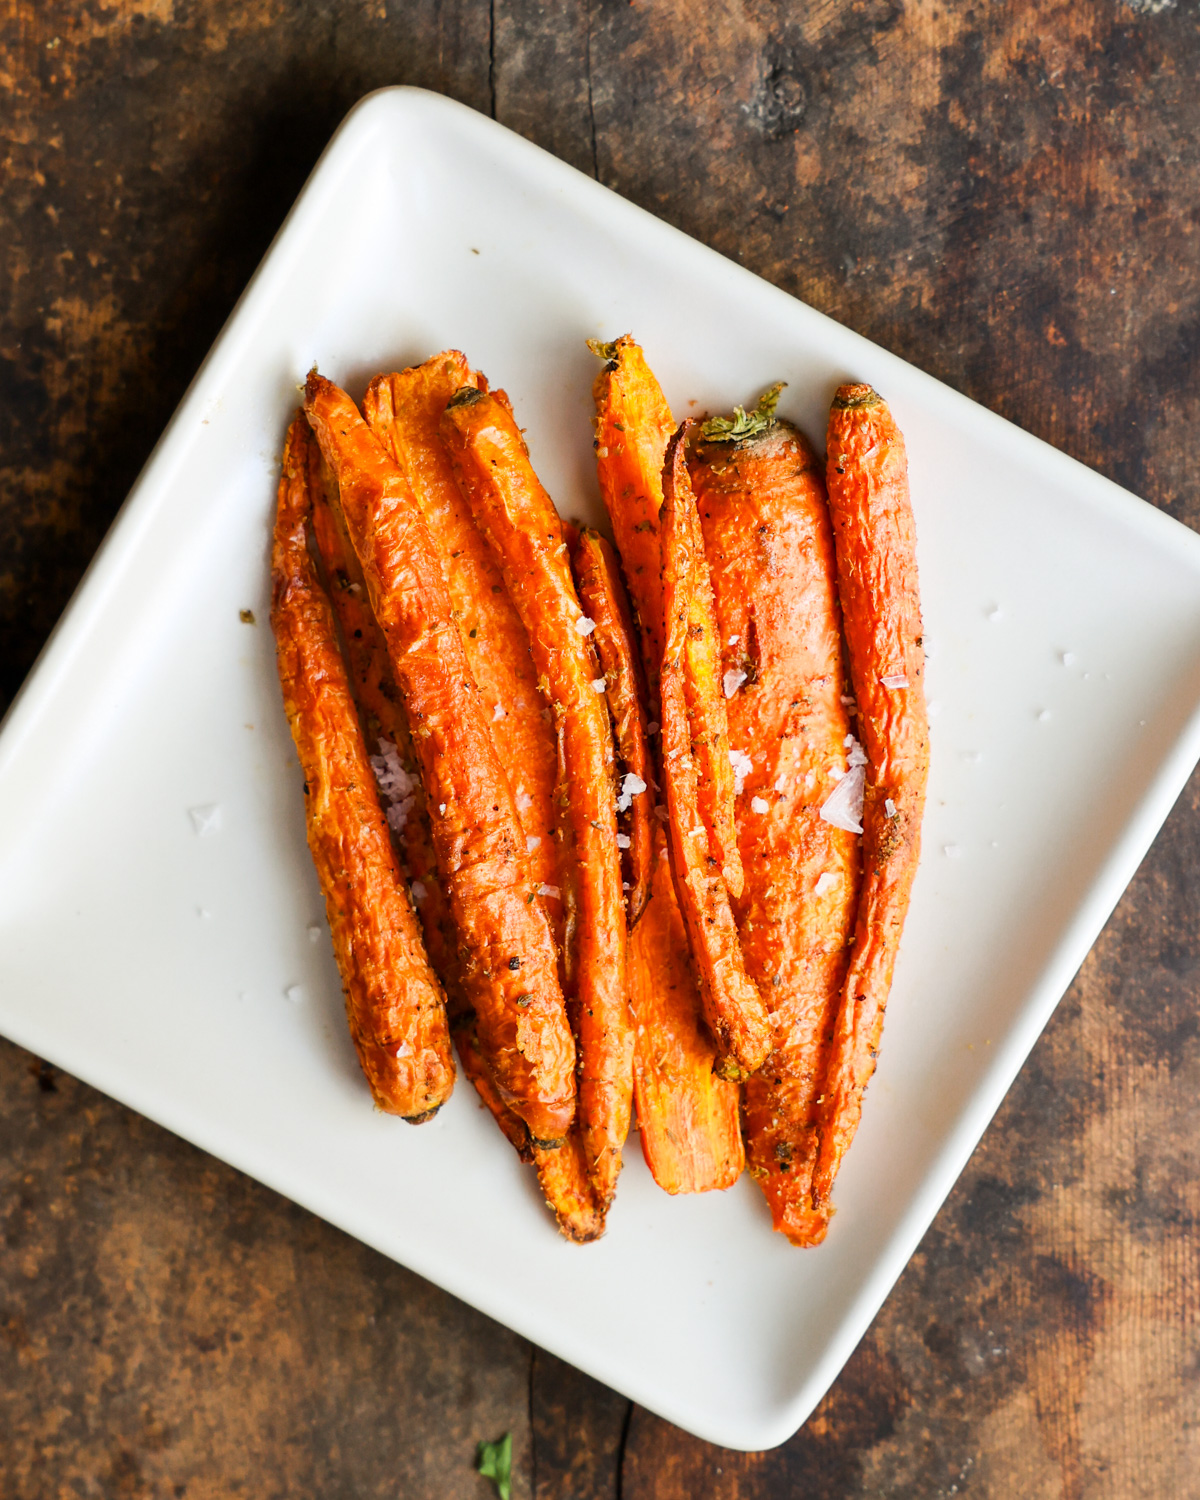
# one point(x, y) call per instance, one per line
point(397, 787)
point(843, 806)
point(632, 786)
point(584, 626)
point(733, 680)
point(760, 804)
point(826, 882)
point(742, 766)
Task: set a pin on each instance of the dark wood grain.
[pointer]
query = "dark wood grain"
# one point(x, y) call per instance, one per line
point(1007, 195)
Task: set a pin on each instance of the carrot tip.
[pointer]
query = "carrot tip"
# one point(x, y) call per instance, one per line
point(853, 397)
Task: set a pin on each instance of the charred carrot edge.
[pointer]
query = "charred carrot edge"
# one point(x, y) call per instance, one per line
point(875, 537)
point(509, 958)
point(732, 1005)
point(519, 520)
point(760, 494)
point(385, 726)
point(603, 597)
point(403, 410)
point(394, 1003)
point(688, 1116)
point(633, 427)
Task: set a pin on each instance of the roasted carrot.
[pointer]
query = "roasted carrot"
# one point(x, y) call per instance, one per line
point(604, 600)
point(690, 1135)
point(688, 1116)
point(403, 410)
point(519, 521)
point(386, 729)
point(732, 1004)
point(875, 539)
point(394, 1003)
point(509, 958)
point(760, 494)
point(633, 426)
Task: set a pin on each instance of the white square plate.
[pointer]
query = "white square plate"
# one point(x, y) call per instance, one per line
point(157, 904)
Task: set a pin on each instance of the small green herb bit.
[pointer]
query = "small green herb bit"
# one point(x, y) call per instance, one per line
point(494, 1462)
point(744, 424)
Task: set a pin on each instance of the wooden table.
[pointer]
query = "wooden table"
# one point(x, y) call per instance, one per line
point(1008, 196)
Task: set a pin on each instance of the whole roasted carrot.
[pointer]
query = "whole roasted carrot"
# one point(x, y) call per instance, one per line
point(393, 1001)
point(733, 1006)
point(519, 520)
point(688, 1116)
point(687, 1121)
point(604, 601)
point(404, 410)
point(509, 958)
point(875, 538)
point(760, 494)
point(633, 427)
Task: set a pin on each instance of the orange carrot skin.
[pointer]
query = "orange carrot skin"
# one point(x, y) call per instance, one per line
point(382, 714)
point(509, 958)
point(633, 427)
point(875, 537)
point(394, 1003)
point(602, 594)
point(519, 520)
point(688, 1116)
point(404, 410)
point(732, 1004)
point(767, 536)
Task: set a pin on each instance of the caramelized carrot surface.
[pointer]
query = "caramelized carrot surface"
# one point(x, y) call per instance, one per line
point(732, 1005)
point(404, 410)
point(393, 1001)
point(687, 1114)
point(519, 521)
point(603, 597)
point(633, 428)
point(875, 537)
point(761, 502)
point(386, 729)
point(509, 969)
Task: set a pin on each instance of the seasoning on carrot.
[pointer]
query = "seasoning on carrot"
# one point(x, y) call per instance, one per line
point(393, 1001)
point(760, 494)
point(509, 958)
point(519, 521)
point(875, 539)
point(732, 1004)
point(604, 601)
